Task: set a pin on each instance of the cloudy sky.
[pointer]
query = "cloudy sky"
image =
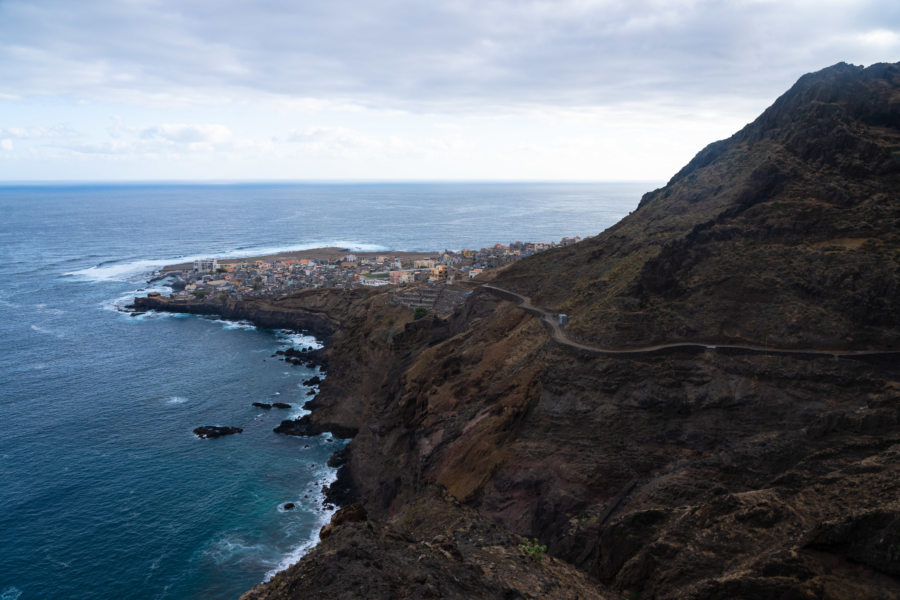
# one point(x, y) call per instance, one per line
point(403, 89)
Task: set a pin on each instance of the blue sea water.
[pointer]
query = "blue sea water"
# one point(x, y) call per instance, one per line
point(104, 491)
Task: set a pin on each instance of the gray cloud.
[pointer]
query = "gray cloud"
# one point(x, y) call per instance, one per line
point(436, 56)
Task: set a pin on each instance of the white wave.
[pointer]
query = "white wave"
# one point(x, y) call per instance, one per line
point(119, 303)
point(297, 411)
point(292, 339)
point(227, 549)
point(236, 324)
point(300, 551)
point(176, 400)
point(46, 331)
point(152, 314)
point(42, 307)
point(10, 593)
point(136, 270)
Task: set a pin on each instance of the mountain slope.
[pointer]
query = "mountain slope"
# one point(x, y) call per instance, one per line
point(787, 233)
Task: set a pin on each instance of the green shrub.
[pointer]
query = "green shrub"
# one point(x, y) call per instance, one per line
point(533, 549)
point(420, 312)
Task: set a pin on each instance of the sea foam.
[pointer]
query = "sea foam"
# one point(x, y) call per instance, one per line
point(236, 324)
point(292, 339)
point(119, 303)
point(300, 551)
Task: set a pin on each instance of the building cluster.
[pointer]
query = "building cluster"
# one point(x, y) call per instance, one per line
point(282, 275)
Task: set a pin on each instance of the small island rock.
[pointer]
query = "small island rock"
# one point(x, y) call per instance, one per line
point(214, 431)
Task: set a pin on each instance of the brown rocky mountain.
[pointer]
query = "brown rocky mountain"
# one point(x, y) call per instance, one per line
point(691, 472)
point(789, 229)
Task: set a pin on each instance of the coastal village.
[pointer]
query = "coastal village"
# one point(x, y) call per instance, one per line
point(337, 268)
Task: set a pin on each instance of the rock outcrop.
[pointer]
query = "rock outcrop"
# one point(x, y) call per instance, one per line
point(214, 431)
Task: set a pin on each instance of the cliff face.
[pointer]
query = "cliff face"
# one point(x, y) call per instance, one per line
point(679, 474)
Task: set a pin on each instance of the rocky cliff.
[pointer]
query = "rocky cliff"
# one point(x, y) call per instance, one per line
point(685, 473)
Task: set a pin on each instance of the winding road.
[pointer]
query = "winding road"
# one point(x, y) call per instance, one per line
point(552, 321)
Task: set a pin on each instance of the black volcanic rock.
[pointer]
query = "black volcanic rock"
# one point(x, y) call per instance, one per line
point(301, 427)
point(343, 490)
point(281, 405)
point(262, 405)
point(306, 426)
point(214, 431)
point(339, 458)
point(314, 380)
point(353, 513)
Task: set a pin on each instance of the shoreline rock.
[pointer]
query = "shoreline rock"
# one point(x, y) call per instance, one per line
point(306, 427)
point(214, 431)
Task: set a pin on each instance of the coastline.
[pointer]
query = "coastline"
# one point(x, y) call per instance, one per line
point(341, 490)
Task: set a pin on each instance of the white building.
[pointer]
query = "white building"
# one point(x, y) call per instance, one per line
point(205, 265)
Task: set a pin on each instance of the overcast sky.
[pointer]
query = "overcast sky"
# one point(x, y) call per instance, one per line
point(400, 89)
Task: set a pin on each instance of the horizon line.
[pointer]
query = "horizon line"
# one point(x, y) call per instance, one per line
point(56, 182)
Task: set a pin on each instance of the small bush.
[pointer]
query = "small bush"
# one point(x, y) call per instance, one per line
point(420, 312)
point(533, 549)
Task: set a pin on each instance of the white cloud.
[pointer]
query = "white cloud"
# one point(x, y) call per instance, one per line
point(189, 134)
point(6, 144)
point(37, 133)
point(333, 141)
point(878, 38)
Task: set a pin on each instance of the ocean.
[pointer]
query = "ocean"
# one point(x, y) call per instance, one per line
point(104, 490)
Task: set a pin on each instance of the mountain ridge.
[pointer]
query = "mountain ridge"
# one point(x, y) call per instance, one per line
point(819, 183)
